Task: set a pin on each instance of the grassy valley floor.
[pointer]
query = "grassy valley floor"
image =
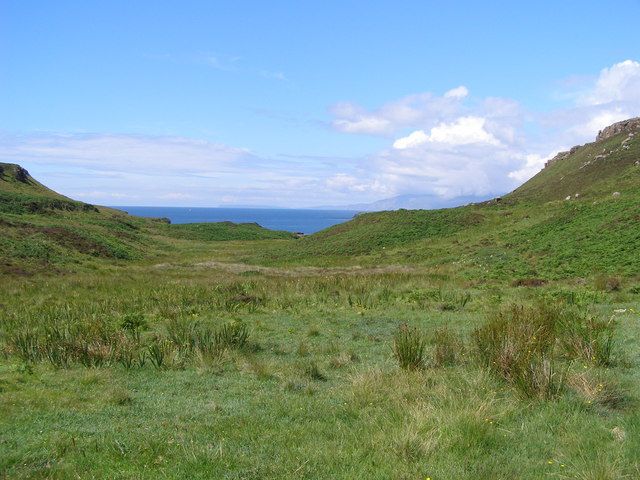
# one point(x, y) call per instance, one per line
point(109, 374)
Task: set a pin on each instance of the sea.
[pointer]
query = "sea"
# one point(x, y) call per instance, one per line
point(292, 220)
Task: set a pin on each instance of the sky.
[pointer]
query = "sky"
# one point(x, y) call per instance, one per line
point(301, 103)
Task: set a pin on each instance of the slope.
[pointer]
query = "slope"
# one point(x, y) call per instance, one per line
point(542, 228)
point(43, 230)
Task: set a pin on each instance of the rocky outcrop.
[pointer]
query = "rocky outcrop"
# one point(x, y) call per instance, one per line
point(562, 155)
point(630, 126)
point(22, 175)
point(558, 157)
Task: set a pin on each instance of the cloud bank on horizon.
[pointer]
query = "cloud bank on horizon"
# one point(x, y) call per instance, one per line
point(448, 145)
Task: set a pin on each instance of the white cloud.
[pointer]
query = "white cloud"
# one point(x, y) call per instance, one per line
point(349, 183)
point(446, 145)
point(156, 170)
point(97, 194)
point(363, 124)
point(458, 92)
point(464, 131)
point(152, 155)
point(618, 83)
point(177, 196)
point(406, 111)
point(412, 140)
point(597, 121)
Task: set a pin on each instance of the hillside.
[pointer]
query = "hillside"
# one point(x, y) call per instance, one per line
point(43, 230)
point(577, 216)
point(590, 171)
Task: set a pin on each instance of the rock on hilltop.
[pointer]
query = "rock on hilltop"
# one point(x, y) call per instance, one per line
point(630, 125)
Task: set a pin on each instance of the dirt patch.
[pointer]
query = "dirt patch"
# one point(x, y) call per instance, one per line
point(239, 268)
point(529, 282)
point(10, 269)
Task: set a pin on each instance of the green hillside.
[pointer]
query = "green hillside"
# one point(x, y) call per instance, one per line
point(592, 171)
point(534, 230)
point(575, 217)
point(42, 230)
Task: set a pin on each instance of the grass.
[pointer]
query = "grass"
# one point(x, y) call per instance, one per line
point(230, 413)
point(408, 347)
point(489, 341)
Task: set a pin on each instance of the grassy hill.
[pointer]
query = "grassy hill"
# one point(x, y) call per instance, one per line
point(533, 231)
point(592, 171)
point(42, 230)
point(576, 217)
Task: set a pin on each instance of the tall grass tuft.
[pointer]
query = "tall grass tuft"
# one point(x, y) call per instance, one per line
point(588, 338)
point(157, 352)
point(408, 347)
point(448, 348)
point(26, 345)
point(517, 344)
point(232, 335)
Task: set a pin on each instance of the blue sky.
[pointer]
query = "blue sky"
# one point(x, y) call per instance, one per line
point(204, 103)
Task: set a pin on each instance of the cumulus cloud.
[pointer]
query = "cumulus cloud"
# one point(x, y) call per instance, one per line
point(463, 131)
point(412, 140)
point(533, 163)
point(406, 111)
point(611, 96)
point(487, 147)
point(618, 83)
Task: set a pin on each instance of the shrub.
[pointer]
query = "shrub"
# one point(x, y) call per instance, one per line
point(303, 349)
point(182, 332)
point(343, 359)
point(599, 391)
point(133, 324)
point(529, 282)
point(158, 351)
point(408, 347)
point(127, 355)
point(26, 345)
point(452, 301)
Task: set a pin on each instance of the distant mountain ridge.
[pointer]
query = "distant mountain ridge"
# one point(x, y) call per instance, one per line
point(409, 202)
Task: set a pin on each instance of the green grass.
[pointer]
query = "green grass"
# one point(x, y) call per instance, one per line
point(131, 348)
point(267, 408)
point(220, 231)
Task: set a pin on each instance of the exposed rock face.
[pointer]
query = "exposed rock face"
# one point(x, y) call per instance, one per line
point(630, 125)
point(22, 175)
